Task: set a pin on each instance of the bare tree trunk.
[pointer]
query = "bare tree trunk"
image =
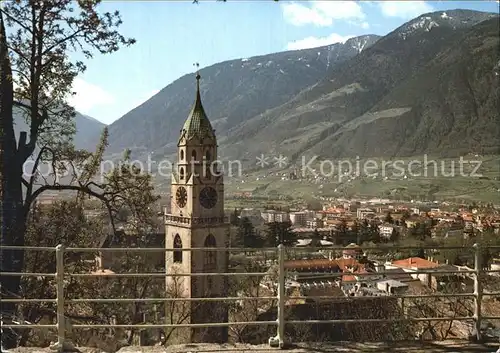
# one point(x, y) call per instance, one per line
point(12, 214)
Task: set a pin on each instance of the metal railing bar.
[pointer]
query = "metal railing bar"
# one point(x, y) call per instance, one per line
point(323, 248)
point(258, 298)
point(449, 295)
point(270, 250)
point(249, 323)
point(29, 326)
point(409, 272)
point(147, 300)
point(208, 324)
point(27, 274)
point(203, 274)
point(163, 274)
point(340, 321)
point(26, 300)
point(490, 294)
point(35, 248)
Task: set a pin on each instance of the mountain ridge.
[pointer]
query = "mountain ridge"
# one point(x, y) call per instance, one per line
point(353, 90)
point(232, 92)
point(338, 100)
point(87, 135)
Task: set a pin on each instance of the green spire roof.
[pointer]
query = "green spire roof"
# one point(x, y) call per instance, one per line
point(197, 123)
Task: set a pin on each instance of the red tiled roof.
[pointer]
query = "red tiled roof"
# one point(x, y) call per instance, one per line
point(311, 264)
point(348, 278)
point(338, 264)
point(415, 262)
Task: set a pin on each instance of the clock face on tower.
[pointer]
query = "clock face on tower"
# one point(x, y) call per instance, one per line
point(208, 197)
point(181, 197)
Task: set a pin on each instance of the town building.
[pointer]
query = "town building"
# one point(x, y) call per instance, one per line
point(386, 230)
point(298, 219)
point(271, 216)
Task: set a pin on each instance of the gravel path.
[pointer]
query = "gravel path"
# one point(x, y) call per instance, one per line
point(337, 347)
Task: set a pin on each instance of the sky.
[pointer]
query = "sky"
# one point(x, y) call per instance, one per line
point(173, 35)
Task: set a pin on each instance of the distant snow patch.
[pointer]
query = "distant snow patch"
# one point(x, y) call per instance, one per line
point(445, 15)
point(360, 45)
point(245, 59)
point(425, 23)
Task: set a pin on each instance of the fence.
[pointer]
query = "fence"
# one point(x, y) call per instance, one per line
point(281, 298)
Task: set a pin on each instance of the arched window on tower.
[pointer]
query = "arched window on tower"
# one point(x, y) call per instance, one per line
point(207, 155)
point(182, 155)
point(210, 256)
point(193, 155)
point(177, 245)
point(181, 173)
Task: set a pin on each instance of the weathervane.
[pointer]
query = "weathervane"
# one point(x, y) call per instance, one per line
point(197, 69)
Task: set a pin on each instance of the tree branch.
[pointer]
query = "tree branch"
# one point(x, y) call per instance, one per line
point(13, 19)
point(25, 182)
point(56, 44)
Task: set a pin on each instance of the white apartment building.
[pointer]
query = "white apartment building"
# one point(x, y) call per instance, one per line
point(298, 219)
point(274, 216)
point(315, 223)
point(386, 230)
point(361, 213)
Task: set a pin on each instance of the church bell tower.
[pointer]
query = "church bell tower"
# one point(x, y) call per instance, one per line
point(196, 220)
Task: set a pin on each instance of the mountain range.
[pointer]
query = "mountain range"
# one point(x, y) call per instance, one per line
point(233, 92)
point(430, 86)
point(88, 130)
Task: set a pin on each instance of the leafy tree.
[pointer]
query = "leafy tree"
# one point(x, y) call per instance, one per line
point(394, 235)
point(65, 223)
point(37, 76)
point(486, 240)
point(247, 310)
point(342, 234)
point(280, 233)
point(420, 231)
point(233, 219)
point(405, 217)
point(388, 218)
point(132, 287)
point(363, 232)
point(61, 223)
point(374, 232)
point(246, 231)
point(316, 238)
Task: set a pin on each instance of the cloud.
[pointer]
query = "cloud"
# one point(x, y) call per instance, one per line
point(88, 96)
point(404, 9)
point(321, 13)
point(362, 24)
point(313, 42)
